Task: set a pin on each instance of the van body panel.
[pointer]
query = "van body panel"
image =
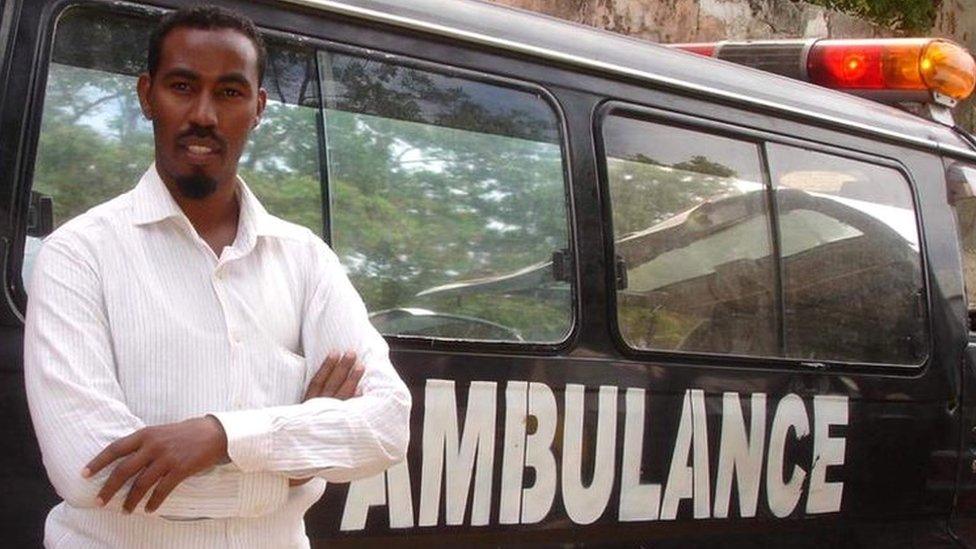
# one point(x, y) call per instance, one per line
point(902, 429)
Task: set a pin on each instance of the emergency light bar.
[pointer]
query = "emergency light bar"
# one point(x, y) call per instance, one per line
point(891, 70)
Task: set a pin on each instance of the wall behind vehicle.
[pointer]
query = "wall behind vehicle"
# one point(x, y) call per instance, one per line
point(957, 20)
point(712, 20)
point(705, 20)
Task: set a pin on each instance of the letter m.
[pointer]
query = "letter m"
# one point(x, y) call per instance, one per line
point(447, 454)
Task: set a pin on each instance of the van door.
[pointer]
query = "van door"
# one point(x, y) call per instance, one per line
point(782, 287)
point(961, 181)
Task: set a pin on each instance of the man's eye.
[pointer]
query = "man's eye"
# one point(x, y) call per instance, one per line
point(180, 86)
point(230, 92)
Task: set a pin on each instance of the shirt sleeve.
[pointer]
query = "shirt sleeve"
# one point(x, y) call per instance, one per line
point(338, 440)
point(78, 407)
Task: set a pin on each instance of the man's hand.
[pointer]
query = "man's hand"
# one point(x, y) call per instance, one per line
point(338, 377)
point(161, 456)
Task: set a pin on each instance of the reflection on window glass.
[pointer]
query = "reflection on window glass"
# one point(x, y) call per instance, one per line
point(448, 201)
point(95, 144)
point(852, 275)
point(691, 229)
point(966, 229)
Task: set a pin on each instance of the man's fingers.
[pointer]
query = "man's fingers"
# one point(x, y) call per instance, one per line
point(146, 479)
point(126, 469)
point(121, 447)
point(163, 488)
point(348, 388)
point(318, 380)
point(338, 375)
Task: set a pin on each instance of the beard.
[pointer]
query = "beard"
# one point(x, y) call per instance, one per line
point(196, 186)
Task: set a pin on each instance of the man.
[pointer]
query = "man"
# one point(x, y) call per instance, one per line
point(184, 349)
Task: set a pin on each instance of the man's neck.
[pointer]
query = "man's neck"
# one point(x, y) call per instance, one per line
point(214, 217)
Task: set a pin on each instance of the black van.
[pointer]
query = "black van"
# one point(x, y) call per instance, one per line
point(639, 296)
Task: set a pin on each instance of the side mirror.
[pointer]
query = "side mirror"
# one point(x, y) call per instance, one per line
point(960, 182)
point(40, 215)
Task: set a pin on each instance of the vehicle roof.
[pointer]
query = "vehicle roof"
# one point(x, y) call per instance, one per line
point(540, 36)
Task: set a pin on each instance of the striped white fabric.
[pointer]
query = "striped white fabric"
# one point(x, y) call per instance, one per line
point(134, 321)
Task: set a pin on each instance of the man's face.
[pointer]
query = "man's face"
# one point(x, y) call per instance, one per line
point(203, 100)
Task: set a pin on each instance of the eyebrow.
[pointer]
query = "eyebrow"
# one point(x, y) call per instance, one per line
point(235, 78)
point(230, 78)
point(181, 73)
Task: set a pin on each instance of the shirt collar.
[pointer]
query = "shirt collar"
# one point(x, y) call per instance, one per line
point(152, 202)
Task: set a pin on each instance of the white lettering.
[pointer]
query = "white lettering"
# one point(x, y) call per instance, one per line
point(740, 456)
point(783, 497)
point(689, 481)
point(825, 497)
point(513, 452)
point(400, 498)
point(442, 450)
point(393, 485)
point(537, 499)
point(585, 504)
point(637, 501)
point(363, 494)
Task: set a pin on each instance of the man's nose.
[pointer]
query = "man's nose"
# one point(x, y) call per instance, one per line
point(204, 112)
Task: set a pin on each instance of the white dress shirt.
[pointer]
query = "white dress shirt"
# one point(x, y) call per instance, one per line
point(134, 321)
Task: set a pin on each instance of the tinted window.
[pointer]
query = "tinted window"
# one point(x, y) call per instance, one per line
point(95, 144)
point(448, 201)
point(852, 275)
point(691, 232)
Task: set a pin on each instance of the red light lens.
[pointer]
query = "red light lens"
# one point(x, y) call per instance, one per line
point(701, 48)
point(854, 66)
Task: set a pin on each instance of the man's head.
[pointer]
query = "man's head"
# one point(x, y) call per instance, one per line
point(203, 94)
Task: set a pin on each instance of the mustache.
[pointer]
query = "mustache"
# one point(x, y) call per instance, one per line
point(201, 132)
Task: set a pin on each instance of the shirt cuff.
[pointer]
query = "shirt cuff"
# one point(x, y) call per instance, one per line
point(248, 437)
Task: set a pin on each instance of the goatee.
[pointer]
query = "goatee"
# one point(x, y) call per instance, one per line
point(196, 186)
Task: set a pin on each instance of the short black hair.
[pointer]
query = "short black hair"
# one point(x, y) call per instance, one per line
point(207, 18)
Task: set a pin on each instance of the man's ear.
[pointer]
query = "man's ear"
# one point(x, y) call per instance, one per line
point(262, 103)
point(142, 88)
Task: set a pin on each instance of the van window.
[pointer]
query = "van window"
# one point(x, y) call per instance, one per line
point(691, 232)
point(447, 196)
point(852, 272)
point(448, 201)
point(95, 144)
point(833, 273)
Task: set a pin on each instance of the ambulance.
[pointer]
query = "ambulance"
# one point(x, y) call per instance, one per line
point(698, 295)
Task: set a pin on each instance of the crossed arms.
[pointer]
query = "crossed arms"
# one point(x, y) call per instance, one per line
point(79, 409)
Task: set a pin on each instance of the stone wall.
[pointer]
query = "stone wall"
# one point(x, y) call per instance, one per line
point(703, 20)
point(710, 20)
point(957, 20)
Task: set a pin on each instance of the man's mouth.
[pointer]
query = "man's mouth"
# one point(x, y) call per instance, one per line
point(200, 152)
point(199, 149)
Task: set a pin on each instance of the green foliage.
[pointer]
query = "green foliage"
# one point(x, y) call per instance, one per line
point(906, 16)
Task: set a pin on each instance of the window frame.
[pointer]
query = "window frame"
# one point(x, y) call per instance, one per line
point(761, 139)
point(23, 179)
point(539, 348)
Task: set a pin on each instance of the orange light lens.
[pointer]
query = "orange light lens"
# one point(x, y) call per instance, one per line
point(893, 64)
point(948, 69)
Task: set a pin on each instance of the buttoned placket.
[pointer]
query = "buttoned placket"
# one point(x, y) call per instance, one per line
point(221, 267)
